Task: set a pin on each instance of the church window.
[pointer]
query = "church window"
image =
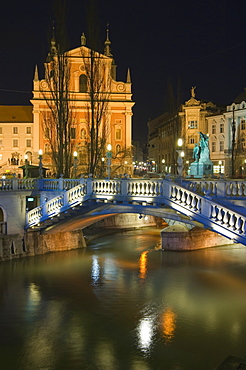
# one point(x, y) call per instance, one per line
point(118, 134)
point(82, 83)
point(15, 130)
point(192, 124)
point(15, 143)
point(28, 130)
point(213, 129)
point(221, 127)
point(213, 146)
point(28, 143)
point(73, 133)
point(221, 146)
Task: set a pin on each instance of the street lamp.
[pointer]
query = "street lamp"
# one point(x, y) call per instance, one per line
point(75, 155)
point(26, 166)
point(40, 167)
point(233, 129)
point(180, 152)
point(163, 162)
point(109, 156)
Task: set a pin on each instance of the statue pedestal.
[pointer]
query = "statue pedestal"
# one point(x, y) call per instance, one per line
point(198, 169)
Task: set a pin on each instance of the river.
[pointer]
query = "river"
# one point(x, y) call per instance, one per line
point(121, 304)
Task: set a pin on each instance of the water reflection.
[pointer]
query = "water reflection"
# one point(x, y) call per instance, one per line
point(168, 324)
point(143, 260)
point(118, 306)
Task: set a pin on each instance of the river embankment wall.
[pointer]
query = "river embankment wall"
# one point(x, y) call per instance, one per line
point(34, 243)
point(179, 238)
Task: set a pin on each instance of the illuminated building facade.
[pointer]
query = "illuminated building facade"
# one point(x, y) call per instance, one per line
point(186, 123)
point(118, 116)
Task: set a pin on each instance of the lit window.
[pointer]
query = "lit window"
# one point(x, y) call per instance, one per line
point(192, 124)
point(28, 143)
point(118, 134)
point(15, 143)
point(28, 130)
point(15, 130)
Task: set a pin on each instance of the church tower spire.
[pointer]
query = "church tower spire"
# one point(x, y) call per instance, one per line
point(107, 45)
point(128, 78)
point(36, 78)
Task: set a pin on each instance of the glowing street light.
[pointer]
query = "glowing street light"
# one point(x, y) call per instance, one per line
point(75, 158)
point(40, 167)
point(26, 166)
point(181, 154)
point(109, 156)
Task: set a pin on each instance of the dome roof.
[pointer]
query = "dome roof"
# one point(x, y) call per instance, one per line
point(241, 97)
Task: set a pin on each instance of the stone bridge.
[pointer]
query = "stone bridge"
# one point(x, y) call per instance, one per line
point(69, 204)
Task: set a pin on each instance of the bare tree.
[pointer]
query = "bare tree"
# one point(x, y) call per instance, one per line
point(57, 119)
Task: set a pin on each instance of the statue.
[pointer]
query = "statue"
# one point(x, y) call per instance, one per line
point(196, 152)
point(205, 155)
point(202, 166)
point(192, 91)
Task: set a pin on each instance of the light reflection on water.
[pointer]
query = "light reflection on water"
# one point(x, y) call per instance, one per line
point(121, 305)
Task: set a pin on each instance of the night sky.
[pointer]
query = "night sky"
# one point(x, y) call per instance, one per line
point(183, 43)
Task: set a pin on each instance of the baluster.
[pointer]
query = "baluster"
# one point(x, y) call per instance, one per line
point(193, 203)
point(219, 215)
point(235, 189)
point(198, 204)
point(213, 214)
point(240, 189)
point(183, 198)
point(239, 224)
point(232, 221)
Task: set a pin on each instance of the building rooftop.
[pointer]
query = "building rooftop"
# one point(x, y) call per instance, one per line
point(16, 113)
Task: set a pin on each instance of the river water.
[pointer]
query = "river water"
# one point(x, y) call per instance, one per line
point(120, 304)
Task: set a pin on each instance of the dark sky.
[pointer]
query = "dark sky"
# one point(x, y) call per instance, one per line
point(185, 43)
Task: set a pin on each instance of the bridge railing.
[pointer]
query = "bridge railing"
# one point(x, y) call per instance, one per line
point(217, 188)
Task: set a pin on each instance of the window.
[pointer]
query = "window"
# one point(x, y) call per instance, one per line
point(213, 146)
point(221, 146)
point(191, 140)
point(243, 124)
point(118, 148)
point(118, 134)
point(82, 83)
point(15, 143)
point(1, 143)
point(192, 124)
point(28, 143)
point(118, 121)
point(213, 129)
point(1, 130)
point(28, 130)
point(221, 127)
point(15, 130)
point(73, 133)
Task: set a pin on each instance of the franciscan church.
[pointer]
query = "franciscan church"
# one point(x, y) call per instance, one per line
point(22, 135)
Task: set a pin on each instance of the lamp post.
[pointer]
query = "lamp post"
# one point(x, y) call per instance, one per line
point(109, 156)
point(40, 167)
point(163, 162)
point(26, 166)
point(233, 129)
point(102, 167)
point(180, 152)
point(75, 158)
